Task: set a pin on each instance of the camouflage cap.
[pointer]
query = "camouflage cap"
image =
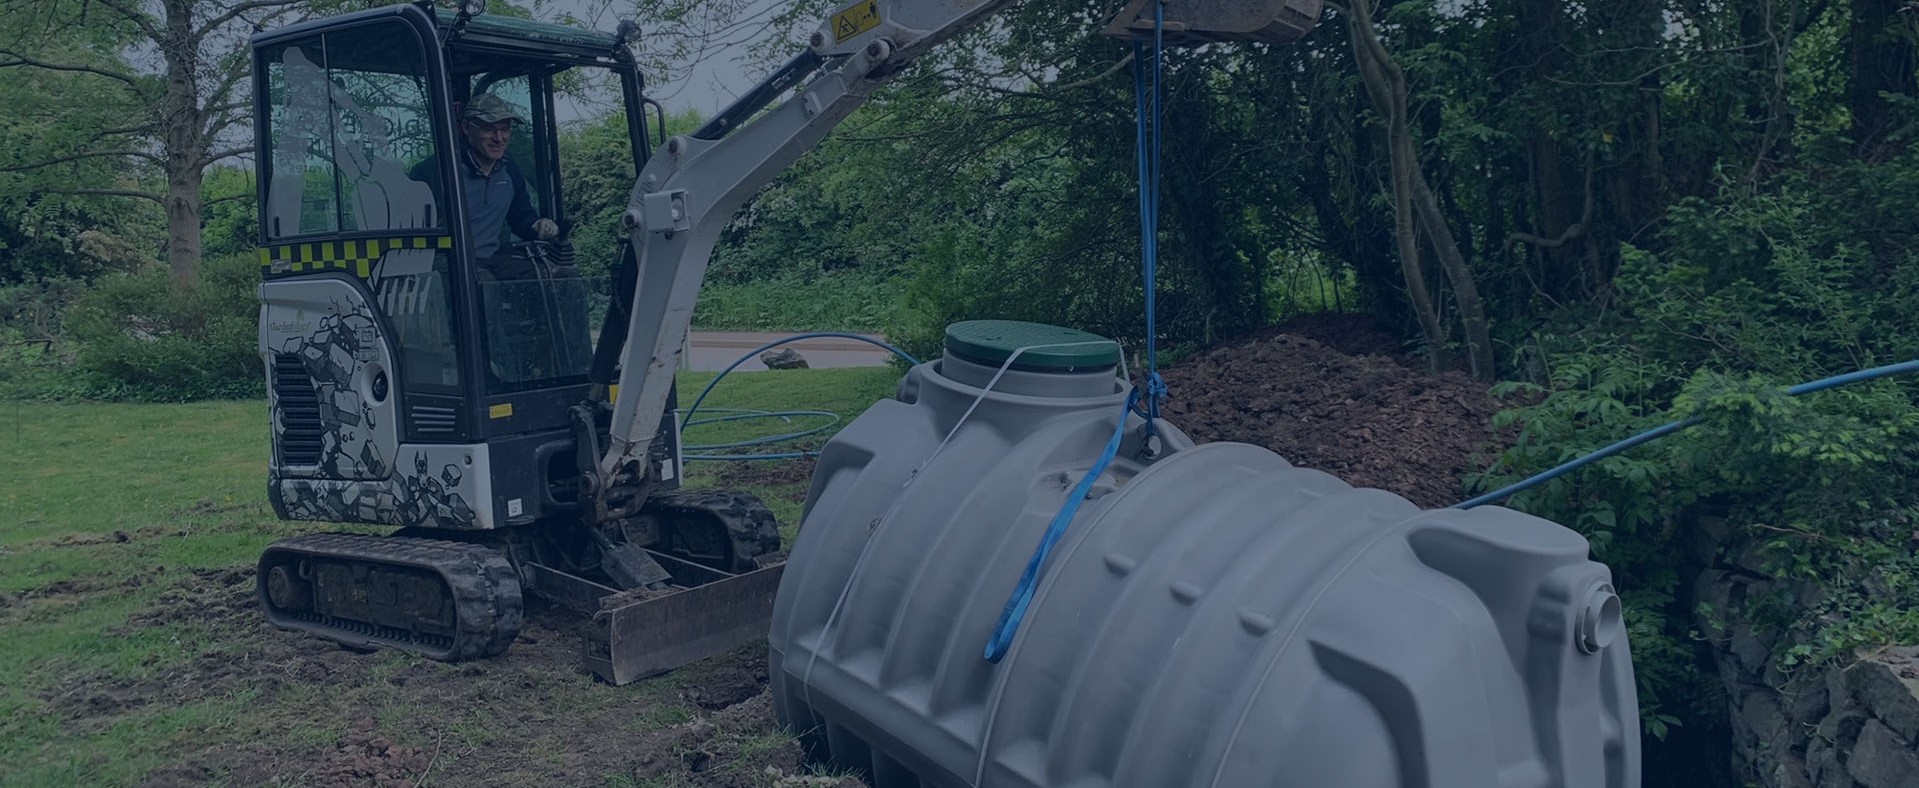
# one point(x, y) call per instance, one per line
point(488, 108)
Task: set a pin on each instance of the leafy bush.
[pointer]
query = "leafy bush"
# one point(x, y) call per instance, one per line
point(139, 338)
point(835, 301)
point(34, 353)
point(34, 310)
point(1743, 296)
point(230, 221)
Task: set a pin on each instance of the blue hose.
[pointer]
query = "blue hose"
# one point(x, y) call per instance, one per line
point(746, 415)
point(1668, 429)
point(686, 419)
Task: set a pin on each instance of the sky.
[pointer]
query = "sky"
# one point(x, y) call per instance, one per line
point(706, 84)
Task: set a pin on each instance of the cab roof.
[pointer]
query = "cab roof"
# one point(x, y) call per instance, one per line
point(525, 37)
point(488, 28)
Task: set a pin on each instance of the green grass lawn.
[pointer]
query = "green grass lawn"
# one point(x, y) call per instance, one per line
point(106, 508)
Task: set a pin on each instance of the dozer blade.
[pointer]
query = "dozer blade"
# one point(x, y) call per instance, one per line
point(1194, 22)
point(638, 634)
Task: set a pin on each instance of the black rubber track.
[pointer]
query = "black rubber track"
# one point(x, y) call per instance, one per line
point(751, 528)
point(483, 584)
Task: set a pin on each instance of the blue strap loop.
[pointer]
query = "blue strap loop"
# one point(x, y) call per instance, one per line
point(1015, 610)
point(1145, 403)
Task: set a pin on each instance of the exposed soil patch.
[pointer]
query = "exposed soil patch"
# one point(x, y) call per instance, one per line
point(74, 540)
point(729, 684)
point(1353, 335)
point(1368, 419)
point(73, 587)
point(528, 717)
point(365, 756)
point(764, 473)
point(78, 585)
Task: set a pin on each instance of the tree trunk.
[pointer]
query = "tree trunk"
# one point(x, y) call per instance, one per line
point(183, 226)
point(1479, 343)
point(184, 122)
point(1391, 103)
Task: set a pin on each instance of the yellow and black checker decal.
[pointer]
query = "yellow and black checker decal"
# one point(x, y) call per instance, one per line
point(355, 256)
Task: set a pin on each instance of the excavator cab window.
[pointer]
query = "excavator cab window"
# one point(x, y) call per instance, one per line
point(348, 121)
point(536, 306)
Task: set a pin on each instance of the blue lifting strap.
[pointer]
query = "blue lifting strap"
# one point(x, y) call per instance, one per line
point(1147, 149)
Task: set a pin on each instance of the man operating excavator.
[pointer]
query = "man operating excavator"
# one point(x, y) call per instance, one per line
point(495, 189)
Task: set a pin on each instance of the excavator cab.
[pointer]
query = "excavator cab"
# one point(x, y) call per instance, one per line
point(429, 331)
point(375, 215)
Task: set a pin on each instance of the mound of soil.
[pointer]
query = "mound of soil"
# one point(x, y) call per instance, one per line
point(1368, 419)
point(1353, 335)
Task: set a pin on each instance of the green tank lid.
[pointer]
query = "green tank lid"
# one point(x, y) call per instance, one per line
point(991, 342)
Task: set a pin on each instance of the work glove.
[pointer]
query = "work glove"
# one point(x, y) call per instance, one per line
point(546, 229)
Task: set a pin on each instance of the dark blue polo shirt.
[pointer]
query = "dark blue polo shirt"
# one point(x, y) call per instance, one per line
point(493, 200)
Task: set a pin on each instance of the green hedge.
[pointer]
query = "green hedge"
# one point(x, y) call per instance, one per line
point(139, 337)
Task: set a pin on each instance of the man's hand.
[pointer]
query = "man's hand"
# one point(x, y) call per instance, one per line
point(546, 229)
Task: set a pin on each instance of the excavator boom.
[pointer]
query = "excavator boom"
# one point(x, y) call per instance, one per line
point(687, 193)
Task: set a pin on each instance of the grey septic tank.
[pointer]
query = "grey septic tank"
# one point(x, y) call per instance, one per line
point(1213, 617)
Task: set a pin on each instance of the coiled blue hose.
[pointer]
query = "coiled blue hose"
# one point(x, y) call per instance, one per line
point(686, 419)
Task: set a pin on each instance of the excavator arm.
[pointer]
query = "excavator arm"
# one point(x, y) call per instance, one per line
point(687, 193)
point(691, 188)
point(684, 197)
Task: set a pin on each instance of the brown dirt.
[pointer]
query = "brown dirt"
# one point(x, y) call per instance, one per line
point(530, 716)
point(75, 540)
point(766, 473)
point(1371, 420)
point(1353, 335)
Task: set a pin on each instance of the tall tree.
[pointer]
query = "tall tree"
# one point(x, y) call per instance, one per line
point(176, 70)
point(46, 235)
point(1414, 203)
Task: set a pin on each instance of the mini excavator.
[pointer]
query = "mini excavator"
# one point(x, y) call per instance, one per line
point(433, 368)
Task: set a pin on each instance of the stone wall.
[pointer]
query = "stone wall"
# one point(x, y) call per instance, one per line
point(1850, 726)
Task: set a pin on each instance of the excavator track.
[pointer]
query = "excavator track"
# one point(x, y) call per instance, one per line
point(723, 529)
point(442, 600)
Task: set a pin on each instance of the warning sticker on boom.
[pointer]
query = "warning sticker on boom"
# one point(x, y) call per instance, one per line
point(856, 19)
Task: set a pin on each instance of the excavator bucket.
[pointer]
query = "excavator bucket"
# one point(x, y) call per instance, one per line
point(1195, 22)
